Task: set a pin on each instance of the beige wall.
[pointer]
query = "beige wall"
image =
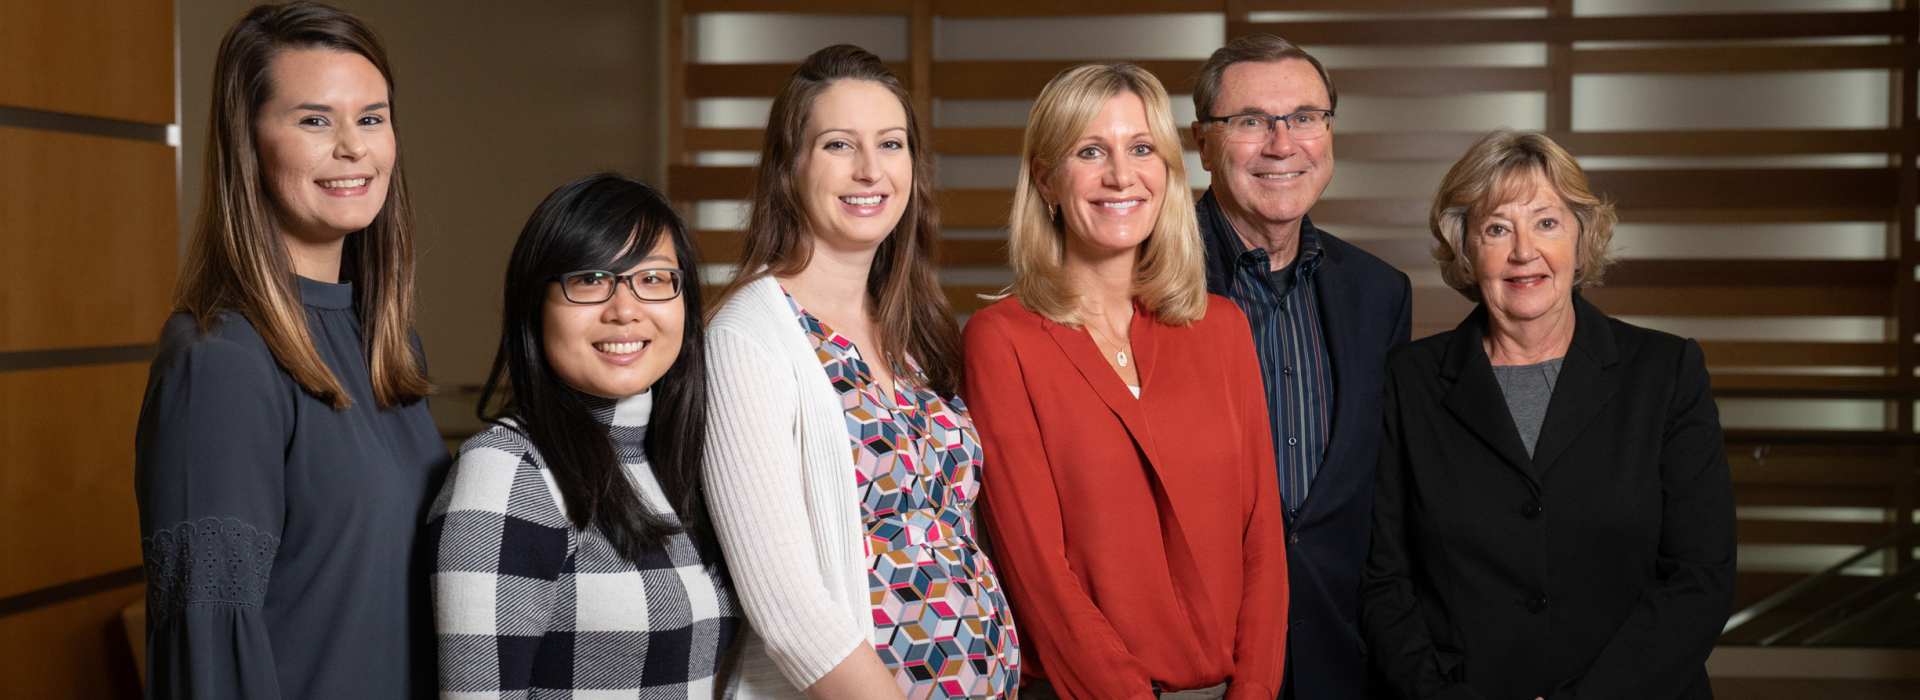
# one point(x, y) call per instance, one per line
point(498, 103)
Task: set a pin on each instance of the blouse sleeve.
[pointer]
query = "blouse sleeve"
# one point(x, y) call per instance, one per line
point(1666, 637)
point(1260, 646)
point(209, 478)
point(1083, 656)
point(500, 543)
point(758, 499)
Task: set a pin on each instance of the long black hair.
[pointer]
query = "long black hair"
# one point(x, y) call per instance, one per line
point(605, 222)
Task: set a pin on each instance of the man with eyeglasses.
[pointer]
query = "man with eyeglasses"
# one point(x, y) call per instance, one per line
point(1324, 315)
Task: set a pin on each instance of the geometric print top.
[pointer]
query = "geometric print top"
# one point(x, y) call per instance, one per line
point(1292, 348)
point(527, 606)
point(940, 617)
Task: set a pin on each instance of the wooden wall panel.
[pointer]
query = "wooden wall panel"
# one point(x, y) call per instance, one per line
point(89, 231)
point(77, 650)
point(98, 58)
point(66, 495)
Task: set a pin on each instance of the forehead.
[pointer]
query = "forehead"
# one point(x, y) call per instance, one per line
point(1522, 189)
point(1279, 87)
point(857, 105)
point(326, 75)
point(1124, 113)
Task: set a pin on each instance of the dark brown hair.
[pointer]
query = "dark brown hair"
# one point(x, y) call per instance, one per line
point(237, 261)
point(903, 291)
point(1255, 48)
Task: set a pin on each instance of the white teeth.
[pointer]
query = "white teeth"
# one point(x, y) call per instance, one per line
point(1278, 176)
point(1129, 204)
point(863, 201)
point(620, 348)
point(344, 184)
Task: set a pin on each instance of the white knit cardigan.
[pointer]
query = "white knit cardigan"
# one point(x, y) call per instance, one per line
point(781, 485)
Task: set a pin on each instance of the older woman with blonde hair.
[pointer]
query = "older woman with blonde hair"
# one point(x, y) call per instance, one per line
point(1130, 467)
point(1553, 516)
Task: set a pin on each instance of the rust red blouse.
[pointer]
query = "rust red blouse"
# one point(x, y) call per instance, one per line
point(1141, 540)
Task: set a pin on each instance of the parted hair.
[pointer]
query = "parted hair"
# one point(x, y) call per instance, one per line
point(237, 261)
point(1169, 274)
point(604, 222)
point(1253, 48)
point(1498, 170)
point(911, 313)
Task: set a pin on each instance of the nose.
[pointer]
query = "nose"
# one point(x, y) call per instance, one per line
point(866, 167)
point(351, 145)
point(1280, 143)
point(624, 307)
point(1120, 174)
point(1524, 249)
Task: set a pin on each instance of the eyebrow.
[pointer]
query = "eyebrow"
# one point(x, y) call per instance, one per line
point(662, 257)
point(311, 107)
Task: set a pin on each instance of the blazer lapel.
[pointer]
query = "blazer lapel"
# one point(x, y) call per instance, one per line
point(1475, 397)
point(1584, 387)
point(1335, 294)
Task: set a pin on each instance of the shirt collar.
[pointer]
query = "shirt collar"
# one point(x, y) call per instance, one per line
point(1233, 253)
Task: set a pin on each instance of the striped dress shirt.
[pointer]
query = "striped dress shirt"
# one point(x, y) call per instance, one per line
point(1285, 319)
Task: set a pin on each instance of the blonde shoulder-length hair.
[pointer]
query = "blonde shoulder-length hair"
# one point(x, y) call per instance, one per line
point(1169, 274)
point(1498, 169)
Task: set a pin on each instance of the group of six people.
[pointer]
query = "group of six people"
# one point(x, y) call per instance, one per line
point(1190, 452)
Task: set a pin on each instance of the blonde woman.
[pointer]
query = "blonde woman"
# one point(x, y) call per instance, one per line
point(1131, 493)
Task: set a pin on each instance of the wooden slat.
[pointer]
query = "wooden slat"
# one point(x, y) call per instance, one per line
point(1806, 386)
point(725, 247)
point(1067, 8)
point(1736, 273)
point(1440, 305)
point(975, 208)
point(1381, 5)
point(754, 79)
point(1806, 532)
point(1735, 59)
point(1877, 497)
point(73, 651)
point(724, 139)
point(99, 58)
point(1799, 354)
point(1768, 188)
point(1872, 466)
point(1404, 82)
point(825, 7)
point(991, 80)
point(68, 437)
point(84, 206)
point(1566, 29)
point(692, 182)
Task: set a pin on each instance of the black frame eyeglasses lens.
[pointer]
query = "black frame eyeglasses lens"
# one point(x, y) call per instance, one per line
point(1304, 124)
point(597, 286)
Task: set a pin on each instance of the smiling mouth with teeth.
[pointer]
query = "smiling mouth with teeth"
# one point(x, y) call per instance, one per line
point(620, 348)
point(864, 201)
point(1122, 205)
point(344, 184)
point(1279, 176)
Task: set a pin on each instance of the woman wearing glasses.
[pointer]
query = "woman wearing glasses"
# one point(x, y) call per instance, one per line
point(574, 550)
point(844, 470)
point(1132, 493)
point(285, 456)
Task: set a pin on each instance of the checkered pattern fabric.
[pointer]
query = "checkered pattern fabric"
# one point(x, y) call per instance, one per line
point(527, 606)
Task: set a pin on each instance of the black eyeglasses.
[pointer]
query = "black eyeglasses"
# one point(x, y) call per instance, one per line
point(597, 286)
point(1304, 124)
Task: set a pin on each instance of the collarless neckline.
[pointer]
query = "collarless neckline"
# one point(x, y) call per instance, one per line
point(322, 295)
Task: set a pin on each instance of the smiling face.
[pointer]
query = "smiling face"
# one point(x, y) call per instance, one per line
point(619, 347)
point(326, 143)
point(1110, 185)
point(855, 173)
point(1525, 252)
point(1270, 183)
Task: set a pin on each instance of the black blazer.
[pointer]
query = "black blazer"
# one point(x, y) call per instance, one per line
point(1365, 312)
point(1600, 568)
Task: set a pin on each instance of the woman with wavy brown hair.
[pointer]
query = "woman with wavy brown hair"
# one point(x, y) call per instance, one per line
point(842, 468)
point(285, 457)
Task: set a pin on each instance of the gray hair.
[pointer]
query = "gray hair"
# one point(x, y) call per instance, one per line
point(1256, 48)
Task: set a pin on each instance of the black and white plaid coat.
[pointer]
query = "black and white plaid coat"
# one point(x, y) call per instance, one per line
point(527, 606)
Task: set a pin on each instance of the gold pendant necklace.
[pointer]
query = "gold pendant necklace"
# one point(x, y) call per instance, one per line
point(1120, 353)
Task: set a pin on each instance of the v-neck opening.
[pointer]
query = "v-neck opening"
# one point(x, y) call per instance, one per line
point(863, 369)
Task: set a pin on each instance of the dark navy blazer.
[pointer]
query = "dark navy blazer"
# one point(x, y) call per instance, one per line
point(1365, 311)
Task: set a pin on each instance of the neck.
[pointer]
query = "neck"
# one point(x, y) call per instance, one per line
point(1531, 341)
point(834, 281)
point(318, 261)
point(1281, 239)
point(1103, 281)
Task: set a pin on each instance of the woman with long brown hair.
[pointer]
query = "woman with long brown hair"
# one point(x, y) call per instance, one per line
point(843, 469)
point(285, 457)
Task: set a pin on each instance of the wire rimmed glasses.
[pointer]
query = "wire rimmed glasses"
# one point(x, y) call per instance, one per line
point(597, 286)
point(1244, 128)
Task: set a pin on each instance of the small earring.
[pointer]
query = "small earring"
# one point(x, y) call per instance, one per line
point(1053, 212)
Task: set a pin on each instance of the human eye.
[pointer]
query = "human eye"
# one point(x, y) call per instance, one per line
point(1088, 153)
point(372, 120)
point(1305, 118)
point(653, 278)
point(837, 145)
point(1249, 121)
point(1495, 230)
point(313, 120)
point(893, 144)
point(588, 279)
point(1141, 150)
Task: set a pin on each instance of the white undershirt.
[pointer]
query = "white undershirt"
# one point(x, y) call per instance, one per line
point(1135, 390)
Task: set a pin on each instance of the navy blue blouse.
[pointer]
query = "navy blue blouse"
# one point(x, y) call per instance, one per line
point(279, 533)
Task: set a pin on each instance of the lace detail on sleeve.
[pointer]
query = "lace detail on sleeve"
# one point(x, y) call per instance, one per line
point(209, 561)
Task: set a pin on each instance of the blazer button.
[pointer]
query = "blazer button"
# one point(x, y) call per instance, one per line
point(1531, 510)
point(1536, 603)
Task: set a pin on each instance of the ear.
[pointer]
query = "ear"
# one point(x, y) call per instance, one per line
point(1040, 182)
point(1200, 144)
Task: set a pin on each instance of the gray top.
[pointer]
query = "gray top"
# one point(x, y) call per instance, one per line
point(1528, 389)
point(279, 534)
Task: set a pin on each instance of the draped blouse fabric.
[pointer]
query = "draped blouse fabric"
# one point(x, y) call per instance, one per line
point(941, 620)
point(279, 533)
point(1141, 540)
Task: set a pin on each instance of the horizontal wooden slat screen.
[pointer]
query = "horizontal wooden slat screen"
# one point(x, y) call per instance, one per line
point(101, 58)
point(1797, 232)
